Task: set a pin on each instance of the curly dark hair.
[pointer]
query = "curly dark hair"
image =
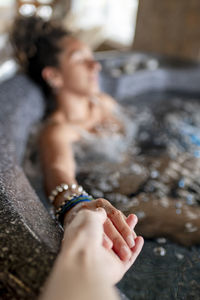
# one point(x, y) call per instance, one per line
point(36, 45)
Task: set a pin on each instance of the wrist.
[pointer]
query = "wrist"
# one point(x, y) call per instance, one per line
point(65, 197)
point(72, 213)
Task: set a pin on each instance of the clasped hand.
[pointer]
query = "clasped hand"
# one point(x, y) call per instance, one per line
point(119, 235)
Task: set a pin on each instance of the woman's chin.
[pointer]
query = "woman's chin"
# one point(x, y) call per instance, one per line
point(93, 91)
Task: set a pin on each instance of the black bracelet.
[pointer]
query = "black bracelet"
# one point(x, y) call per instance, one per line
point(62, 210)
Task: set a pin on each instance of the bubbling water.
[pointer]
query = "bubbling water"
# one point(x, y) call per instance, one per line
point(153, 170)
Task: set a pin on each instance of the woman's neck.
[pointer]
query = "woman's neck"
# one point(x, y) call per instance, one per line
point(74, 107)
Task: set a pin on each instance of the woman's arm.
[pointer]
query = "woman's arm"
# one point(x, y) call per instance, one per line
point(57, 156)
point(59, 167)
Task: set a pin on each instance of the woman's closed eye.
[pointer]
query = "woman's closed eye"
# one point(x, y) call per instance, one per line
point(77, 56)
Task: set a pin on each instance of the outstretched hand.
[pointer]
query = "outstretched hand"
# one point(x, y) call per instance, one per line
point(83, 239)
point(118, 230)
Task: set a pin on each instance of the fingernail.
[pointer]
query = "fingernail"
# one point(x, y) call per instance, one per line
point(130, 241)
point(124, 251)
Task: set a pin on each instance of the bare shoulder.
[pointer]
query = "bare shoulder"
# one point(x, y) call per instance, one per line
point(108, 102)
point(56, 130)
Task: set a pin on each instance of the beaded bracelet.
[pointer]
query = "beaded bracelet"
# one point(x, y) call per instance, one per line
point(64, 187)
point(68, 204)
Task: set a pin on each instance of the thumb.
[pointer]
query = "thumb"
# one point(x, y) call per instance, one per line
point(93, 226)
point(88, 225)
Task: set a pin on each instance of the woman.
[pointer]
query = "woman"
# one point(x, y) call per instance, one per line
point(66, 70)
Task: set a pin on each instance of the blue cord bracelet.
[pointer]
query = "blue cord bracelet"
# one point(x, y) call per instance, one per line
point(71, 203)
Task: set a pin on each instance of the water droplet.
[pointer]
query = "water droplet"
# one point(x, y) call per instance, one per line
point(190, 199)
point(144, 198)
point(104, 186)
point(161, 240)
point(179, 256)
point(178, 211)
point(159, 251)
point(178, 204)
point(4, 249)
point(154, 174)
point(152, 64)
point(136, 169)
point(197, 153)
point(96, 193)
point(164, 202)
point(140, 214)
point(190, 227)
point(181, 183)
point(134, 202)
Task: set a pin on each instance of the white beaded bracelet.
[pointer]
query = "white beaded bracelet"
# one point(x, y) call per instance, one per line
point(64, 187)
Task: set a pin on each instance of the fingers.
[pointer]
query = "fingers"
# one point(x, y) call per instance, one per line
point(107, 243)
point(139, 242)
point(118, 219)
point(119, 245)
point(119, 229)
point(120, 223)
point(132, 220)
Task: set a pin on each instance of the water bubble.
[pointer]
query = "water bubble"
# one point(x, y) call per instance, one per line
point(144, 136)
point(190, 199)
point(144, 198)
point(152, 64)
point(118, 198)
point(136, 169)
point(149, 188)
point(178, 211)
point(190, 227)
point(97, 193)
point(181, 183)
point(154, 174)
point(178, 204)
point(104, 186)
point(140, 214)
point(179, 256)
point(197, 153)
point(4, 249)
point(164, 202)
point(134, 202)
point(161, 240)
point(129, 68)
point(159, 251)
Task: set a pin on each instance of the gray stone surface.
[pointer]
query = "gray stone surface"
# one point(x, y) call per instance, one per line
point(29, 237)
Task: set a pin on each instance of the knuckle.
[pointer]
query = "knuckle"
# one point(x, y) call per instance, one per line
point(125, 231)
point(116, 241)
point(117, 213)
point(101, 202)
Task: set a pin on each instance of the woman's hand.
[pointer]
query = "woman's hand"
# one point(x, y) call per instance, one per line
point(118, 230)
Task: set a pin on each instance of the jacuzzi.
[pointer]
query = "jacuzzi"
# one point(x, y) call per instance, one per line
point(30, 238)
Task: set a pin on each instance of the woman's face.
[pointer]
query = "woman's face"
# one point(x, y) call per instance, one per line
point(78, 69)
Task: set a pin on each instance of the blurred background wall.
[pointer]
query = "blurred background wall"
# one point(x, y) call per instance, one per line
point(169, 27)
